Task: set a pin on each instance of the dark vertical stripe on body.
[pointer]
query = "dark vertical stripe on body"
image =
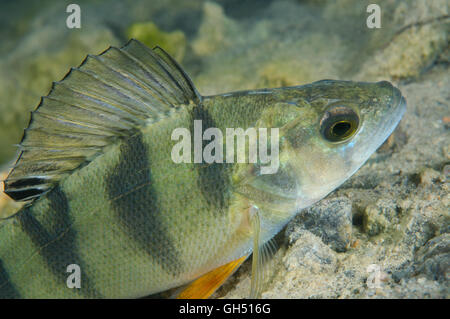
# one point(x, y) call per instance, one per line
point(135, 203)
point(7, 289)
point(213, 179)
point(57, 245)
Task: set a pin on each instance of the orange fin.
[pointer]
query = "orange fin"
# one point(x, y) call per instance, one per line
point(204, 287)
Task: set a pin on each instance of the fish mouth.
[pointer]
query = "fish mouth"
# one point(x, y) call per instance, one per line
point(398, 107)
point(395, 111)
point(399, 102)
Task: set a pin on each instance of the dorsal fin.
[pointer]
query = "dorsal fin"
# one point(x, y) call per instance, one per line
point(107, 96)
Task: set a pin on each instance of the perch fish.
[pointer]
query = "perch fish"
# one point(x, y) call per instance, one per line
point(106, 201)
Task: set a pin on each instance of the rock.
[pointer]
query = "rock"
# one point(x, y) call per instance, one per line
point(330, 220)
point(373, 220)
point(446, 172)
point(148, 33)
point(255, 55)
point(408, 54)
point(420, 38)
point(309, 252)
point(410, 288)
point(433, 259)
point(381, 216)
point(428, 176)
point(216, 31)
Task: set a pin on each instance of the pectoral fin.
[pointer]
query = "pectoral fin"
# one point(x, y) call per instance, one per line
point(206, 285)
point(261, 253)
point(255, 290)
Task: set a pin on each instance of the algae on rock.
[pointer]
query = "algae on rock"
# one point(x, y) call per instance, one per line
point(148, 33)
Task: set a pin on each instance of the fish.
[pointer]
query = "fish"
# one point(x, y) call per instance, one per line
point(110, 212)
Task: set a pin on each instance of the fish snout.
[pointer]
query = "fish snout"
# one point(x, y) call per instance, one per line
point(398, 102)
point(397, 98)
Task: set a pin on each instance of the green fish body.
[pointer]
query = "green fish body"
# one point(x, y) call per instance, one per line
point(106, 195)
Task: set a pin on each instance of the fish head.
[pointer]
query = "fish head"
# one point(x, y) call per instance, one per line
point(328, 130)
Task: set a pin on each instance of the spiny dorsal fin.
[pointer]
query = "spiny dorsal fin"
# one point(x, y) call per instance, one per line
point(107, 96)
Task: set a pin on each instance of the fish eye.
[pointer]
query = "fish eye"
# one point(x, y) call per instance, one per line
point(339, 124)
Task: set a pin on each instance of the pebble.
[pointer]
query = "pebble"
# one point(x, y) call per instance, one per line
point(330, 220)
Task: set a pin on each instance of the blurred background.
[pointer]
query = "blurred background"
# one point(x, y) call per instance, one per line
point(228, 45)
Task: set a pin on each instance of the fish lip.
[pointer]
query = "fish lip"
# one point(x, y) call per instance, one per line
point(397, 109)
point(398, 100)
point(399, 104)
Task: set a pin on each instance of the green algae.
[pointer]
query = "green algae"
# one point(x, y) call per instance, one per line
point(148, 33)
